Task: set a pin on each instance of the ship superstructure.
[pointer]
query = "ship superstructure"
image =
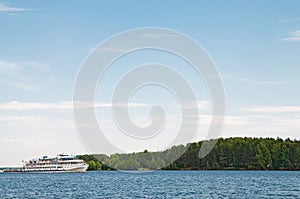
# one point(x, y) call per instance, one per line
point(60, 163)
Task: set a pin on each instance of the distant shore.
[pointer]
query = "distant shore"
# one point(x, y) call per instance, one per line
point(10, 169)
point(228, 154)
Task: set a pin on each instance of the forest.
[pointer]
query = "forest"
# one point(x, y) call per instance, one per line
point(228, 154)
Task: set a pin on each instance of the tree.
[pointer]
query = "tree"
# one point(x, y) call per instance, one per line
point(230, 153)
point(92, 165)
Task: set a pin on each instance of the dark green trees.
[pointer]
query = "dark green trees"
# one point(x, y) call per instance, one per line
point(231, 153)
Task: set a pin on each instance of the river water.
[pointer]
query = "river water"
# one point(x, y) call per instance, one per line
point(156, 184)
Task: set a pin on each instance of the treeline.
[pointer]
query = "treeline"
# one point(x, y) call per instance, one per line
point(227, 154)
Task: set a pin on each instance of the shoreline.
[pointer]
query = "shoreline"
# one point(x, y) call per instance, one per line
point(144, 171)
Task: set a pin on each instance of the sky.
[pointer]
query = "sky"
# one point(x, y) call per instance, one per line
point(255, 46)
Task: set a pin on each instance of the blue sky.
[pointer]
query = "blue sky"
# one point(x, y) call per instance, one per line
point(255, 45)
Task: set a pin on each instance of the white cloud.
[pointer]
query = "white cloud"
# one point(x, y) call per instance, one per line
point(205, 119)
point(156, 35)
point(266, 82)
point(48, 131)
point(250, 81)
point(226, 75)
point(236, 120)
point(26, 118)
point(293, 36)
point(111, 49)
point(6, 66)
point(258, 82)
point(24, 86)
point(202, 105)
point(23, 75)
point(36, 120)
point(18, 141)
point(62, 105)
point(289, 20)
point(9, 9)
point(274, 109)
point(34, 65)
point(22, 106)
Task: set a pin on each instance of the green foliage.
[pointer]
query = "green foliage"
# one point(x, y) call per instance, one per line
point(231, 153)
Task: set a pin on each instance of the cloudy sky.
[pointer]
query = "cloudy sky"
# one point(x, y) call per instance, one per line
point(255, 46)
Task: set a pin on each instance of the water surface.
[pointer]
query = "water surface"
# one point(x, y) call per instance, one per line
point(157, 184)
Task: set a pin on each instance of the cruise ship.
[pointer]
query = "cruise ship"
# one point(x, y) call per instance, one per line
point(60, 163)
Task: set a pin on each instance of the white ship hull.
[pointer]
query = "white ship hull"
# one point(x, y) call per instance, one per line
point(61, 163)
point(75, 168)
